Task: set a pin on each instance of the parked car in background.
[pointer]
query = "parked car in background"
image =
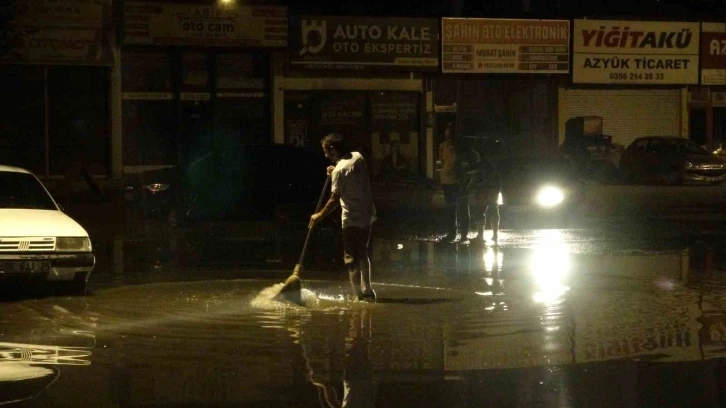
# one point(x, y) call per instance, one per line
point(38, 242)
point(244, 182)
point(671, 160)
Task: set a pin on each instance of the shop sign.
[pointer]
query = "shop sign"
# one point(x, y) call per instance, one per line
point(205, 25)
point(328, 42)
point(482, 45)
point(635, 52)
point(713, 57)
point(52, 32)
point(718, 99)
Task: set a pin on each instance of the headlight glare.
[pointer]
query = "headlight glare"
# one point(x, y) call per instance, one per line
point(550, 196)
point(73, 244)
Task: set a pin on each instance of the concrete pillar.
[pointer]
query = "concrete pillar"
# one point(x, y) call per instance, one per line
point(685, 117)
point(277, 95)
point(429, 126)
point(561, 119)
point(116, 116)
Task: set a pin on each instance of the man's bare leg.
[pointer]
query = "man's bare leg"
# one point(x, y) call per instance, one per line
point(365, 277)
point(355, 279)
point(495, 223)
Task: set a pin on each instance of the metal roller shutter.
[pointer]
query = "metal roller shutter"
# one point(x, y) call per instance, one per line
point(627, 114)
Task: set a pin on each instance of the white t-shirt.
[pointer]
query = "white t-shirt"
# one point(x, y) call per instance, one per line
point(351, 182)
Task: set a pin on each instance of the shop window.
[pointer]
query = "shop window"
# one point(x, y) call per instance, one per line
point(242, 105)
point(78, 118)
point(148, 120)
point(383, 126)
point(22, 118)
point(697, 126)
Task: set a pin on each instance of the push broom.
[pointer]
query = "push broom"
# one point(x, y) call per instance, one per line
point(291, 290)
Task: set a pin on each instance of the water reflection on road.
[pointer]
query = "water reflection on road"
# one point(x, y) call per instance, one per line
point(548, 318)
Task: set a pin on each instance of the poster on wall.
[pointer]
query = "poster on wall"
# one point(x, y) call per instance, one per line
point(220, 24)
point(55, 32)
point(713, 54)
point(635, 52)
point(484, 45)
point(298, 115)
point(394, 125)
point(345, 42)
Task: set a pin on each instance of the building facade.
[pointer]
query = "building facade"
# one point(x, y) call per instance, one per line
point(196, 78)
point(56, 62)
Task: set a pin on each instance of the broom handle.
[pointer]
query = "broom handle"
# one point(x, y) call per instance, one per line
point(310, 230)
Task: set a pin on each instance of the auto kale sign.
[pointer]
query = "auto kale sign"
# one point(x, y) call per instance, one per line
point(635, 52)
point(333, 42)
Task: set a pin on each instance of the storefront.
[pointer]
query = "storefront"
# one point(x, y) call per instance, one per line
point(196, 79)
point(361, 77)
point(707, 104)
point(505, 73)
point(632, 74)
point(55, 78)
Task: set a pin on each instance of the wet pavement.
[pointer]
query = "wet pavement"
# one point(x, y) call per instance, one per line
point(620, 313)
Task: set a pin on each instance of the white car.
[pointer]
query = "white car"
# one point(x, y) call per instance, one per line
point(38, 242)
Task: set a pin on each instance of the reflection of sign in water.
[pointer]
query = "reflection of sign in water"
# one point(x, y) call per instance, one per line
point(666, 327)
point(295, 130)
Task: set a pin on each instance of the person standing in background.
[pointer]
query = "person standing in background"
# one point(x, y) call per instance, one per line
point(455, 183)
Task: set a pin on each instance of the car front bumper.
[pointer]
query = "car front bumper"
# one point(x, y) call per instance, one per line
point(48, 267)
point(704, 176)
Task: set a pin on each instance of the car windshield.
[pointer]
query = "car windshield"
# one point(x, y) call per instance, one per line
point(23, 190)
point(681, 146)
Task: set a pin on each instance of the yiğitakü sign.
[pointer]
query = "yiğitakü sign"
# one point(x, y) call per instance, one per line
point(635, 52)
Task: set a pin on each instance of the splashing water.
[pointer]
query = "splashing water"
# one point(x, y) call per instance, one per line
point(268, 298)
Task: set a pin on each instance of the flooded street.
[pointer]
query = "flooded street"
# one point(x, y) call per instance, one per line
point(550, 318)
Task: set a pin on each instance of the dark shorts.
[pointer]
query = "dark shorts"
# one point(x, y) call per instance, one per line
point(355, 244)
point(489, 197)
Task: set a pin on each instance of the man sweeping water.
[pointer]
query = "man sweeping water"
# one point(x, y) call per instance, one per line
point(351, 189)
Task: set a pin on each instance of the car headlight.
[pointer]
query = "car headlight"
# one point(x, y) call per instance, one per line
point(550, 196)
point(73, 244)
point(688, 165)
point(156, 187)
